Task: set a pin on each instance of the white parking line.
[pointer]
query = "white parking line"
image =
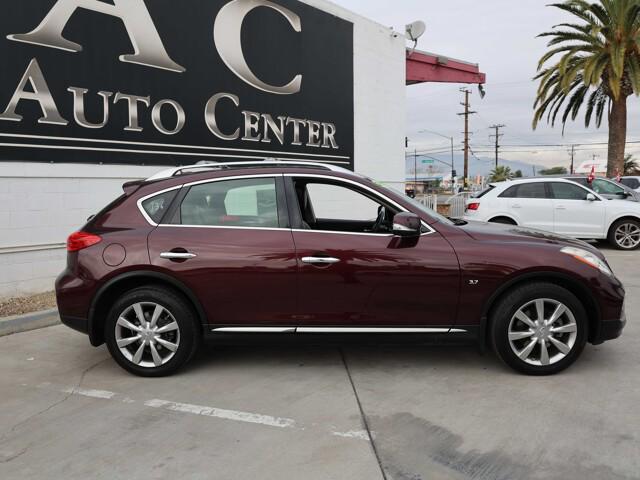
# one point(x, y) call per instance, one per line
point(222, 413)
point(104, 394)
point(202, 410)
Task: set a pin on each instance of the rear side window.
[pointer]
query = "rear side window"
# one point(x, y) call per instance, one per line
point(156, 207)
point(581, 181)
point(250, 202)
point(567, 191)
point(631, 182)
point(526, 190)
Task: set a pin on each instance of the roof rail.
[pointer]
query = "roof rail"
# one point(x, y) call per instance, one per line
point(172, 172)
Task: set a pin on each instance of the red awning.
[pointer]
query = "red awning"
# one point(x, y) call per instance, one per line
point(427, 67)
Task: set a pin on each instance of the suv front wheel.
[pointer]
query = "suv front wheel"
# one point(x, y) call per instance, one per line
point(625, 234)
point(151, 332)
point(539, 329)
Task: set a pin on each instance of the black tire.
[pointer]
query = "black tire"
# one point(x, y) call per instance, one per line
point(503, 221)
point(635, 224)
point(512, 302)
point(188, 333)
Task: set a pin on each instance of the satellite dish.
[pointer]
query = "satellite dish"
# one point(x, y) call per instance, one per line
point(415, 30)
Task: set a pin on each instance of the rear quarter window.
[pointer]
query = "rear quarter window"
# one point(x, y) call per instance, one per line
point(526, 190)
point(156, 207)
point(484, 192)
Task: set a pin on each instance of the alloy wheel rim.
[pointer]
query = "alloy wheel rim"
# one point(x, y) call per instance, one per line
point(628, 235)
point(147, 334)
point(542, 332)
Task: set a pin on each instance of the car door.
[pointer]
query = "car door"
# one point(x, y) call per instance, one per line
point(228, 240)
point(529, 204)
point(352, 274)
point(574, 214)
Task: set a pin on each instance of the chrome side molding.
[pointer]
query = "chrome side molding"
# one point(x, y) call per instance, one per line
point(335, 330)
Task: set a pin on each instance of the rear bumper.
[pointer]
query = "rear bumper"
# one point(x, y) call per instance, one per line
point(72, 296)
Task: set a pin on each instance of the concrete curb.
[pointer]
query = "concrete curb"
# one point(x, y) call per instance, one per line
point(30, 321)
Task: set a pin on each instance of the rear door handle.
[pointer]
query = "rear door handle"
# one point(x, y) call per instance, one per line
point(320, 260)
point(177, 255)
point(516, 206)
point(561, 207)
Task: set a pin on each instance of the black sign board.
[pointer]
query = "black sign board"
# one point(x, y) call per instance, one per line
point(161, 82)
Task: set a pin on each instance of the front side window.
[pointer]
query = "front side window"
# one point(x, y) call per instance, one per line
point(250, 202)
point(568, 191)
point(604, 187)
point(336, 207)
point(526, 190)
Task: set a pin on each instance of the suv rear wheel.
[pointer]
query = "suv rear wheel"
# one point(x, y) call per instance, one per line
point(151, 332)
point(539, 329)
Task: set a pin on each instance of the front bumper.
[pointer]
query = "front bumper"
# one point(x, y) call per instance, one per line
point(77, 323)
point(611, 329)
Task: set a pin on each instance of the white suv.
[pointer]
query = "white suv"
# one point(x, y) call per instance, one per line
point(559, 206)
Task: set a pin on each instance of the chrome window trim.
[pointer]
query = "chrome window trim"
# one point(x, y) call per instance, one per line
point(211, 180)
point(224, 227)
point(361, 234)
point(365, 187)
point(275, 175)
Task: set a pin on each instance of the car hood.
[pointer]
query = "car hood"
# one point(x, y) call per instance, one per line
point(494, 232)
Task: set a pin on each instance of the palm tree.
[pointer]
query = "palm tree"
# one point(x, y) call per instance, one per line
point(631, 166)
point(500, 174)
point(599, 65)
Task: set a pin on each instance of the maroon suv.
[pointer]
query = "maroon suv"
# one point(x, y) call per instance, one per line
point(301, 249)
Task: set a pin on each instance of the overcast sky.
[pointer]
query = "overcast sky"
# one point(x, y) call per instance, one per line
point(499, 35)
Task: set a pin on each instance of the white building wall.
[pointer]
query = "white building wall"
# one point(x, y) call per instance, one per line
point(40, 204)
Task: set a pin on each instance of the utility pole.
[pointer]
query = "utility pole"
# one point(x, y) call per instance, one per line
point(415, 171)
point(497, 135)
point(573, 154)
point(466, 113)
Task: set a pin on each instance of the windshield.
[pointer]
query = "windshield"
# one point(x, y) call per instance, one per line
point(419, 206)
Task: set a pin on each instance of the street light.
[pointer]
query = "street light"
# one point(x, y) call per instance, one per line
point(453, 167)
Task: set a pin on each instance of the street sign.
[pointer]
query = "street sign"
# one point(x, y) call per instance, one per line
point(427, 161)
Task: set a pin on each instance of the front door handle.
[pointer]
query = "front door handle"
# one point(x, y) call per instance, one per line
point(320, 260)
point(561, 207)
point(177, 255)
point(516, 205)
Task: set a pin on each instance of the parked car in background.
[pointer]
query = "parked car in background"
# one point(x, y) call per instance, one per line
point(631, 182)
point(606, 188)
point(560, 206)
point(302, 249)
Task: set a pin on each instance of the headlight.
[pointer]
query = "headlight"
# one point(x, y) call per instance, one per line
point(589, 258)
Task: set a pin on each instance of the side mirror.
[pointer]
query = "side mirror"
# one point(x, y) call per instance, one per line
point(407, 224)
point(591, 197)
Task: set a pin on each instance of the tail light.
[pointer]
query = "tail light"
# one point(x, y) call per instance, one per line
point(81, 240)
point(473, 206)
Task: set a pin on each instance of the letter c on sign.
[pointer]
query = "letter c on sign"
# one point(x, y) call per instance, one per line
point(227, 34)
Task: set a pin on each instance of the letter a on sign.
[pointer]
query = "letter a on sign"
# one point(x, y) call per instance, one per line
point(147, 44)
